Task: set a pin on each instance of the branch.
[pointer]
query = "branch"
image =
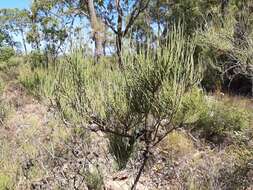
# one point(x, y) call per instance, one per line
point(135, 13)
point(107, 20)
point(145, 159)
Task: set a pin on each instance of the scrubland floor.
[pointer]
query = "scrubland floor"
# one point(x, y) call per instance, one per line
point(39, 152)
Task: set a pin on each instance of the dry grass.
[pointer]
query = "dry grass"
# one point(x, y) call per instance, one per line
point(177, 145)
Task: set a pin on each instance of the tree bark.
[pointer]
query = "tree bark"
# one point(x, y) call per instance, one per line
point(97, 30)
point(119, 32)
point(23, 41)
point(224, 4)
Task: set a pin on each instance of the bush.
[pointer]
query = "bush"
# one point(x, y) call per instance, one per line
point(212, 80)
point(39, 82)
point(6, 53)
point(37, 59)
point(5, 182)
point(130, 105)
point(3, 107)
point(94, 180)
point(228, 169)
point(217, 121)
point(211, 119)
point(192, 105)
point(121, 148)
point(3, 112)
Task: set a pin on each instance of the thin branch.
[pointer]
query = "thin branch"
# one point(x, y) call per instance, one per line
point(135, 13)
point(145, 159)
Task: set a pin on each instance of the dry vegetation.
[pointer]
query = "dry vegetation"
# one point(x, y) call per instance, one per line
point(66, 130)
point(169, 110)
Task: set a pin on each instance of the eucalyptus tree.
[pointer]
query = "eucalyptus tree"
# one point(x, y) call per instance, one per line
point(5, 38)
point(6, 50)
point(194, 13)
point(49, 27)
point(120, 16)
point(14, 22)
point(58, 18)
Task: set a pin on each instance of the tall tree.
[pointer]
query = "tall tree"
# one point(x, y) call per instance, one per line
point(97, 29)
point(69, 11)
point(15, 23)
point(120, 16)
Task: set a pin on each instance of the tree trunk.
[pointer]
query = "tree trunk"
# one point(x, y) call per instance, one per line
point(120, 32)
point(252, 86)
point(224, 4)
point(23, 41)
point(97, 28)
point(119, 48)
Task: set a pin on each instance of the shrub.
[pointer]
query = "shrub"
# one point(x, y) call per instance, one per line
point(212, 79)
point(3, 107)
point(6, 53)
point(94, 180)
point(5, 182)
point(37, 59)
point(228, 169)
point(39, 82)
point(135, 106)
point(212, 119)
point(11, 65)
point(3, 112)
point(217, 121)
point(240, 175)
point(121, 148)
point(192, 105)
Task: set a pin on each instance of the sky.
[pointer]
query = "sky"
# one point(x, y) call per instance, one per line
point(21, 4)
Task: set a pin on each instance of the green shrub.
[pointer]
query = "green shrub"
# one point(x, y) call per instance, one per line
point(3, 107)
point(39, 82)
point(94, 180)
point(192, 106)
point(5, 182)
point(10, 69)
point(121, 148)
point(6, 53)
point(212, 119)
point(3, 112)
point(37, 59)
point(217, 121)
point(176, 145)
point(212, 79)
point(131, 102)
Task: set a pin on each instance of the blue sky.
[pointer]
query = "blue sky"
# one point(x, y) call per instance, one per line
point(21, 4)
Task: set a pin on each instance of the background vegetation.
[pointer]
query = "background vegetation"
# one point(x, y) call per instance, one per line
point(157, 94)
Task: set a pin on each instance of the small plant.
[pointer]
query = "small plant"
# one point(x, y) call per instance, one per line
point(10, 66)
point(3, 107)
point(121, 148)
point(94, 180)
point(3, 112)
point(5, 182)
point(239, 176)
